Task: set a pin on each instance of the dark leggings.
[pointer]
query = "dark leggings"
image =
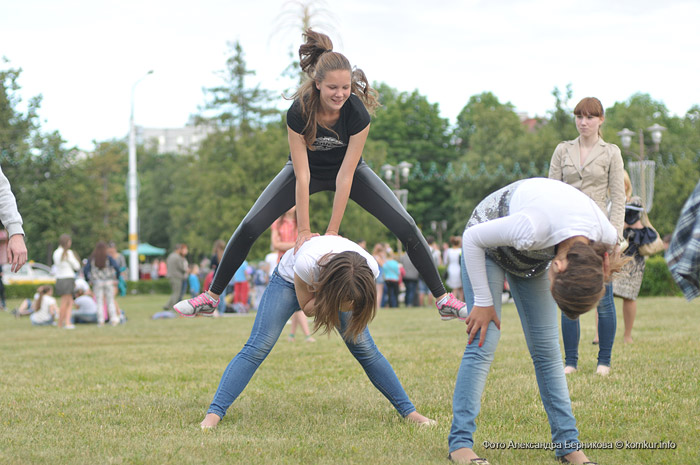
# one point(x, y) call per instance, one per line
point(368, 191)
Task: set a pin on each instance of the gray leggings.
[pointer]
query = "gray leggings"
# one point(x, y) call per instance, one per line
point(367, 190)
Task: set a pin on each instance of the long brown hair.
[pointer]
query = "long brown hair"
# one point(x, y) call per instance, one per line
point(344, 278)
point(317, 58)
point(65, 242)
point(579, 287)
point(99, 255)
point(42, 291)
point(218, 249)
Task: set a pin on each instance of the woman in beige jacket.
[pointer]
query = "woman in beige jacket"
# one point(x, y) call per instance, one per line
point(594, 167)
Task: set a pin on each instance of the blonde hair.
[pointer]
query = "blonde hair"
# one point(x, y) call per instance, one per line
point(344, 278)
point(628, 185)
point(317, 58)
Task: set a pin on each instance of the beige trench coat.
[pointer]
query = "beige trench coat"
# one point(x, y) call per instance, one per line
point(601, 176)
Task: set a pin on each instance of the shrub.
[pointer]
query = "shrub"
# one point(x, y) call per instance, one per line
point(657, 279)
point(158, 286)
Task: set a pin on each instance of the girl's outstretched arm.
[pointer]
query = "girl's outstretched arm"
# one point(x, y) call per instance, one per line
point(300, 161)
point(343, 181)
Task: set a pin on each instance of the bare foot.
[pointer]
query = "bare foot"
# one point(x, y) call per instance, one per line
point(210, 421)
point(628, 340)
point(420, 420)
point(463, 455)
point(576, 457)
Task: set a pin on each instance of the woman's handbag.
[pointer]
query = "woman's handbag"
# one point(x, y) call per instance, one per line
point(652, 247)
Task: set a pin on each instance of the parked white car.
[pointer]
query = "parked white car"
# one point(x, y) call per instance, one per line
point(30, 273)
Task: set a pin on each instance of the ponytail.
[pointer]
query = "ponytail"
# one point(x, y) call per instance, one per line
point(316, 59)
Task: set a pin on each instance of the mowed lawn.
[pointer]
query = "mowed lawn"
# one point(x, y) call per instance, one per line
point(135, 394)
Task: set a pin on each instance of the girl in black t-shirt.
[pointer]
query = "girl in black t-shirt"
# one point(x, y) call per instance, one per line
point(327, 127)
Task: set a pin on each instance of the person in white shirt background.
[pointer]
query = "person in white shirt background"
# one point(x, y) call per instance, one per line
point(66, 264)
point(45, 307)
point(515, 233)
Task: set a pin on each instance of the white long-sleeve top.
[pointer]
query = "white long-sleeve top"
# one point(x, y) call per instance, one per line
point(65, 267)
point(543, 212)
point(9, 215)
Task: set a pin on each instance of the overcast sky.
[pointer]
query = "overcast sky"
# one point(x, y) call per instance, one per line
point(84, 56)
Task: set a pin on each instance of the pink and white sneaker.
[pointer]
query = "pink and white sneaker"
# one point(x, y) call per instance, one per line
point(203, 304)
point(452, 308)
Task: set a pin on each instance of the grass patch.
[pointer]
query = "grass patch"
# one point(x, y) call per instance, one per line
point(135, 394)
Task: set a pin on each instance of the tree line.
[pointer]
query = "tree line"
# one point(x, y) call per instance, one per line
point(201, 196)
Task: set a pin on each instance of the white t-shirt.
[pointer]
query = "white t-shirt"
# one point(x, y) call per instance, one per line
point(86, 305)
point(65, 267)
point(543, 212)
point(305, 261)
point(43, 314)
point(271, 260)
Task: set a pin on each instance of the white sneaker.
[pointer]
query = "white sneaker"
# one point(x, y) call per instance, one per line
point(203, 304)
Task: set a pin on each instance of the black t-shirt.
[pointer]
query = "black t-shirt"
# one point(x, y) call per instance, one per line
point(329, 148)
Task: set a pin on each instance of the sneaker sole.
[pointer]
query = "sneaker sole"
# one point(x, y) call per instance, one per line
point(184, 314)
point(201, 313)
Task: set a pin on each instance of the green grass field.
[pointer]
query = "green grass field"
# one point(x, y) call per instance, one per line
point(135, 394)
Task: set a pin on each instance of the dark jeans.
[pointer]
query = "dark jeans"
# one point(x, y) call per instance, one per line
point(411, 286)
point(392, 288)
point(367, 190)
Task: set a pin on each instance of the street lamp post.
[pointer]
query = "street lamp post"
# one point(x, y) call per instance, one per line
point(133, 193)
point(642, 171)
point(394, 175)
point(439, 228)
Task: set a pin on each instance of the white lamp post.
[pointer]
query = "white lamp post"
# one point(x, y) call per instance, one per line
point(642, 171)
point(133, 193)
point(394, 174)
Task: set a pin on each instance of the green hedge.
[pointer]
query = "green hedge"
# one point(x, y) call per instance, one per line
point(20, 291)
point(657, 279)
point(158, 286)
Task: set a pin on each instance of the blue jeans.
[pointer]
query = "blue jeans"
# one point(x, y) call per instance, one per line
point(277, 305)
point(391, 288)
point(538, 317)
point(222, 301)
point(607, 326)
point(411, 287)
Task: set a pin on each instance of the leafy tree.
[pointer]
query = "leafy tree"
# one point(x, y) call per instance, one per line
point(413, 131)
point(106, 168)
point(159, 177)
point(488, 135)
point(235, 104)
point(677, 162)
point(561, 120)
point(218, 187)
point(16, 127)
